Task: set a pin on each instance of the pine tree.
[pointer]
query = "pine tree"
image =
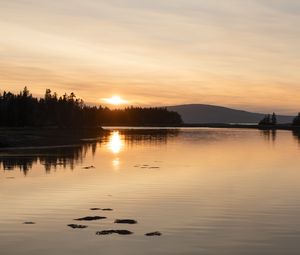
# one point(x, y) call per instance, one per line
point(296, 121)
point(274, 119)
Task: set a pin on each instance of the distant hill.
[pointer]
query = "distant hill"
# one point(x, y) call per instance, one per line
point(201, 113)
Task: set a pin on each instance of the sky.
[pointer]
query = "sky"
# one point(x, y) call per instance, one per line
point(237, 53)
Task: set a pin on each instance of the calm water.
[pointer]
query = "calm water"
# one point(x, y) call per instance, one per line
point(208, 191)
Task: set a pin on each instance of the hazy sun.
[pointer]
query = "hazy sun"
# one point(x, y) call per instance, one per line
point(115, 100)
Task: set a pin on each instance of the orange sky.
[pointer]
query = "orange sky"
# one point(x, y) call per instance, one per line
point(236, 53)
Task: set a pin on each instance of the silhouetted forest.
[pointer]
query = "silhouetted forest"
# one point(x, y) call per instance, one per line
point(268, 120)
point(271, 120)
point(296, 121)
point(21, 110)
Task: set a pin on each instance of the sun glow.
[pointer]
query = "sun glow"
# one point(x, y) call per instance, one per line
point(115, 100)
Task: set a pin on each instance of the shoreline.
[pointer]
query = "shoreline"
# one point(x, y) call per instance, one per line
point(46, 136)
point(247, 126)
point(213, 125)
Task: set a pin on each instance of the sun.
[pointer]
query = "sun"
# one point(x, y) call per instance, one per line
point(115, 100)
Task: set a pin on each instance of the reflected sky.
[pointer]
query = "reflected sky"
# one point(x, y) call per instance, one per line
point(220, 191)
point(118, 141)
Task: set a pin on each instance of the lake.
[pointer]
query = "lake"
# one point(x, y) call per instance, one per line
point(207, 191)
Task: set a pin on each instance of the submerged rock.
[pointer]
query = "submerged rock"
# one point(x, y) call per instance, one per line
point(90, 218)
point(29, 222)
point(88, 167)
point(109, 232)
point(149, 167)
point(107, 209)
point(77, 226)
point(125, 221)
point(101, 209)
point(156, 233)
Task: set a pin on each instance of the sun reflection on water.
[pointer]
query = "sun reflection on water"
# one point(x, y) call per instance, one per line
point(116, 163)
point(115, 143)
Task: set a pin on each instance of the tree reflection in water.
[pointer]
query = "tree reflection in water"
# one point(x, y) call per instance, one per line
point(296, 134)
point(148, 136)
point(50, 158)
point(269, 135)
point(68, 156)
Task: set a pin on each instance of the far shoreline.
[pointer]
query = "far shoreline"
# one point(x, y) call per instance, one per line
point(247, 126)
point(17, 137)
point(213, 125)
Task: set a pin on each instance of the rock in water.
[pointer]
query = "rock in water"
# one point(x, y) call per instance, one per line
point(98, 209)
point(29, 222)
point(109, 232)
point(88, 167)
point(156, 233)
point(77, 226)
point(107, 209)
point(90, 218)
point(125, 221)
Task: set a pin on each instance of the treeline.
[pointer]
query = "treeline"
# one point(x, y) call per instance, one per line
point(21, 110)
point(271, 120)
point(296, 121)
point(268, 120)
point(133, 116)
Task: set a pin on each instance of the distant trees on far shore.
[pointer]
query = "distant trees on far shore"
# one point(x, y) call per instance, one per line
point(268, 120)
point(20, 110)
point(296, 121)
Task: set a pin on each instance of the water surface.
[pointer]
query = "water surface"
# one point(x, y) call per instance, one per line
point(208, 191)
